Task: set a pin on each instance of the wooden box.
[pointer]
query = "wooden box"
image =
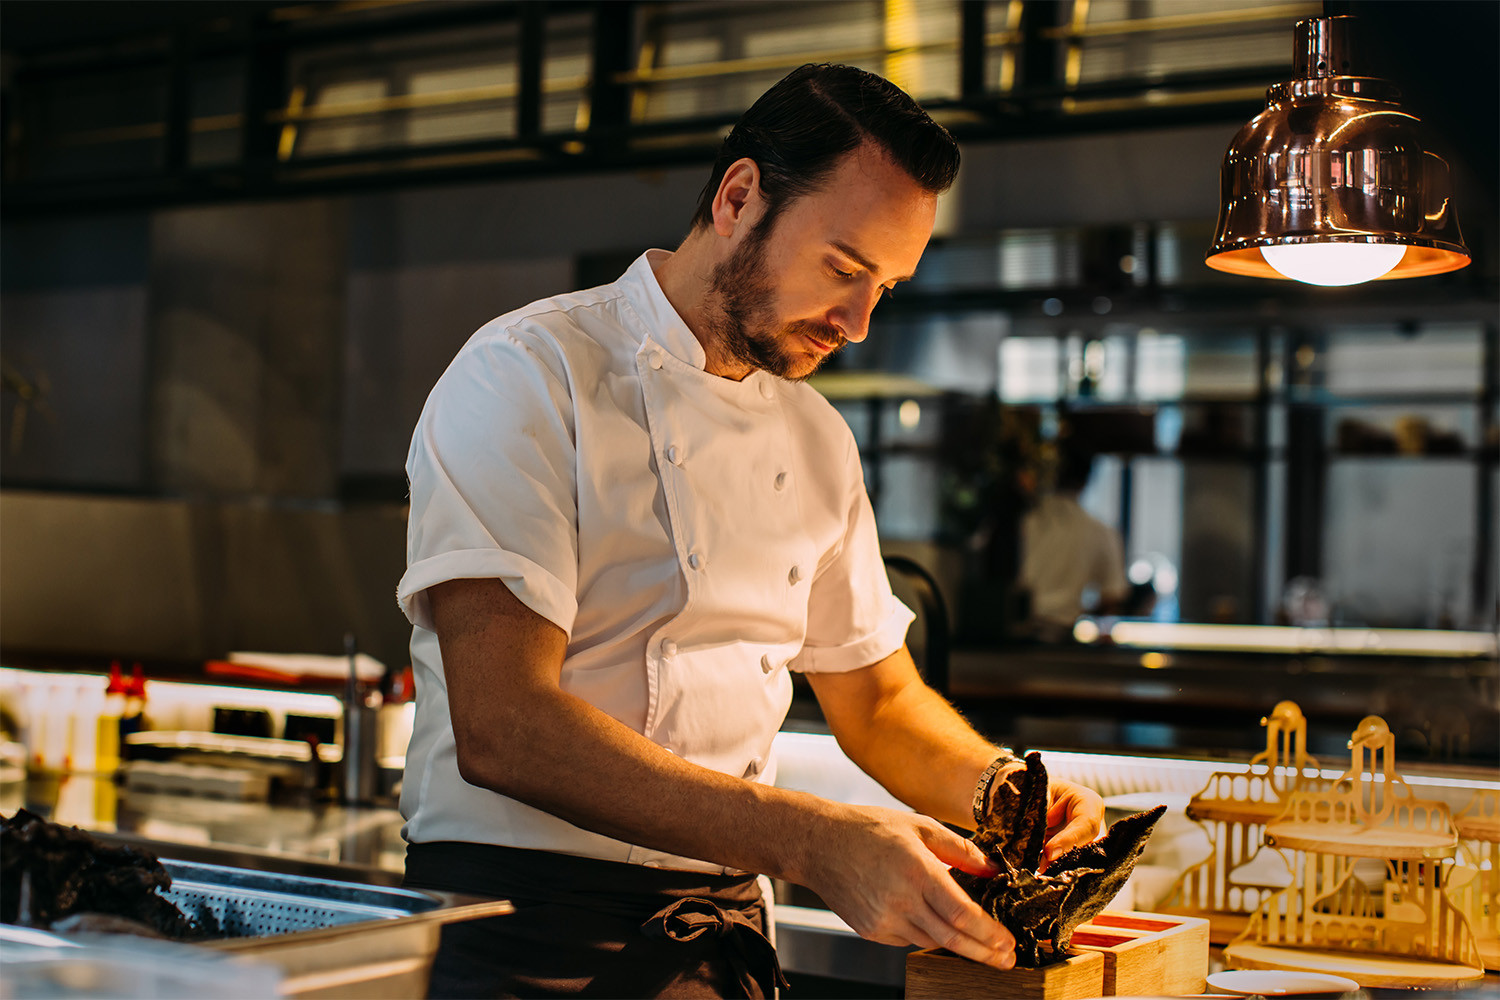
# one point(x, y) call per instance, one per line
point(1147, 954)
point(938, 974)
point(1116, 954)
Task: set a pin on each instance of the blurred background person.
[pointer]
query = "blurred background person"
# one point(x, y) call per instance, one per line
point(1067, 554)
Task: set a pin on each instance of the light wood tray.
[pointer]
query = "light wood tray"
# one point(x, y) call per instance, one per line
point(1148, 954)
point(1369, 970)
point(938, 974)
point(1118, 953)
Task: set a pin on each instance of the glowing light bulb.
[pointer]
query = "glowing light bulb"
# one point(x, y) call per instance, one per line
point(1334, 263)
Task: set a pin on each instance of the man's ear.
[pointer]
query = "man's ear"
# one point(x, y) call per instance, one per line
point(738, 200)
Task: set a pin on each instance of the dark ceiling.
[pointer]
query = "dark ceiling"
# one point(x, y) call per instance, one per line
point(30, 25)
point(1441, 52)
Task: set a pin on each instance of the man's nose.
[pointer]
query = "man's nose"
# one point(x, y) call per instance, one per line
point(853, 317)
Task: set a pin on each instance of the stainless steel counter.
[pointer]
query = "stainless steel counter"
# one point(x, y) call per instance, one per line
point(363, 844)
point(362, 841)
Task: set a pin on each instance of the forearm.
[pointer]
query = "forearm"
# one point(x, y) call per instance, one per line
point(907, 737)
point(562, 755)
point(910, 739)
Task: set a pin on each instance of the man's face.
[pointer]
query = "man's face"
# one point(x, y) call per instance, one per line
point(789, 295)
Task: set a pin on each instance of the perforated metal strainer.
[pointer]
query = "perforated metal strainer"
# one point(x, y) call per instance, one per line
point(259, 904)
point(329, 938)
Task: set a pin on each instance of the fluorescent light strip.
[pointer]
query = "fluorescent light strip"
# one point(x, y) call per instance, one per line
point(1286, 638)
point(177, 692)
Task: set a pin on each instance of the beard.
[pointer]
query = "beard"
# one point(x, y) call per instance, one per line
point(746, 327)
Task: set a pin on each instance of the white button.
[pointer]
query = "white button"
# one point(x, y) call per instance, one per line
point(795, 575)
point(654, 359)
point(673, 455)
point(780, 481)
point(668, 647)
point(766, 389)
point(766, 666)
point(755, 767)
point(695, 560)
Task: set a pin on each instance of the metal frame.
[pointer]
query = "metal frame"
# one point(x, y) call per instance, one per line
point(1032, 97)
point(1306, 452)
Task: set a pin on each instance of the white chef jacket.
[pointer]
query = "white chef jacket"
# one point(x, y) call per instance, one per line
point(692, 535)
point(1065, 549)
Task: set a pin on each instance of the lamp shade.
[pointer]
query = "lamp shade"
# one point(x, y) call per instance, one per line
point(1334, 161)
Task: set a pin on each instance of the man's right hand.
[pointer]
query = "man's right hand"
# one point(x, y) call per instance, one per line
point(886, 873)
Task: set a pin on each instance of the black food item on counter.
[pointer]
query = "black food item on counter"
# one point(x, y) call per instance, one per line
point(59, 877)
point(1041, 910)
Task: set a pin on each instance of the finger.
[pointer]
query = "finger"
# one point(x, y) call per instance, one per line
point(910, 933)
point(1074, 834)
point(956, 909)
point(1000, 954)
point(956, 852)
point(1079, 830)
point(902, 934)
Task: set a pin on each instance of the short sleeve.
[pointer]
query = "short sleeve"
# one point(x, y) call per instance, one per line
point(492, 473)
point(853, 618)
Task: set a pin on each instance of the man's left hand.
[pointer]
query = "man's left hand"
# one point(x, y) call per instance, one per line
point(1075, 816)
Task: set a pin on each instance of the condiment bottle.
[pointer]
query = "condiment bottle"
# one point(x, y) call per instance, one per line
point(86, 702)
point(57, 736)
point(107, 747)
point(132, 719)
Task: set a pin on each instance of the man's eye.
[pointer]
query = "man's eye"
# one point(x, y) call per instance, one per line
point(843, 274)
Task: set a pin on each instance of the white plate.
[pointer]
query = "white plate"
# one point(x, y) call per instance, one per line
point(1271, 982)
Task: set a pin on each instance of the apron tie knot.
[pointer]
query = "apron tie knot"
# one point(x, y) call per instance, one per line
point(747, 947)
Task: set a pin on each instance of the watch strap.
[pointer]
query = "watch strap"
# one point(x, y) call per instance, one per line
point(987, 778)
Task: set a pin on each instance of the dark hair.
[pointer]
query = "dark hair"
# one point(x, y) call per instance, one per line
point(1075, 464)
point(797, 131)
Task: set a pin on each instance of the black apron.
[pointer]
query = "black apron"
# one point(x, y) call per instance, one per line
point(590, 928)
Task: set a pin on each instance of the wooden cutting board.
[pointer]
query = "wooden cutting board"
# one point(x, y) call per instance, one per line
point(938, 974)
point(1148, 954)
point(1118, 953)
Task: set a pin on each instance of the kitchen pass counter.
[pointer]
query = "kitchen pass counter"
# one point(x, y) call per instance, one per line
point(359, 843)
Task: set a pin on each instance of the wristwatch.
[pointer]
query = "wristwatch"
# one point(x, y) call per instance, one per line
point(982, 790)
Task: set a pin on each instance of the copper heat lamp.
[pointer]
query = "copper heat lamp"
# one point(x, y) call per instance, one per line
point(1332, 183)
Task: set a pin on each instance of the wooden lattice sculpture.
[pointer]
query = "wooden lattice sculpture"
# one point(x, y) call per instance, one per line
point(1328, 920)
point(1479, 850)
point(1240, 871)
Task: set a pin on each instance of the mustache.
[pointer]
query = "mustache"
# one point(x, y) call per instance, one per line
point(824, 332)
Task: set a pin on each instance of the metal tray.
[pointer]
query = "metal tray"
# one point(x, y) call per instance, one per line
point(329, 938)
point(248, 903)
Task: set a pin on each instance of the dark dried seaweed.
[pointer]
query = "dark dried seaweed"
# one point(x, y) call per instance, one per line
point(49, 873)
point(1041, 909)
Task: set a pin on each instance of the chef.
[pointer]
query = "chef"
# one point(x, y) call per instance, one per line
point(630, 520)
